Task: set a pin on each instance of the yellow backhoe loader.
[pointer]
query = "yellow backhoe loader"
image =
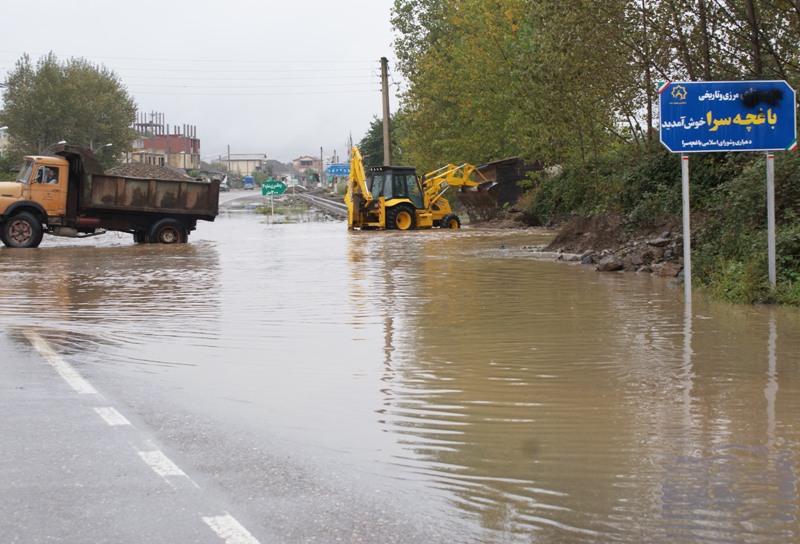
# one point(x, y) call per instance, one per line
point(393, 197)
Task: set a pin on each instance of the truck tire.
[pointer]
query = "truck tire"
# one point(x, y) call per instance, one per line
point(140, 237)
point(450, 221)
point(168, 231)
point(401, 217)
point(22, 230)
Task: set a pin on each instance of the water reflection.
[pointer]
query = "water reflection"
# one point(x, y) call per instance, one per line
point(727, 474)
point(81, 297)
point(554, 402)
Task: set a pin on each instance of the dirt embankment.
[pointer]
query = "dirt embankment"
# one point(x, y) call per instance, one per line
point(608, 243)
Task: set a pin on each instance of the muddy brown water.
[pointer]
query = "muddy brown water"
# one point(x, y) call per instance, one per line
point(528, 400)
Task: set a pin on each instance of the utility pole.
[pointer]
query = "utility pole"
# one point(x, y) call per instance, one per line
point(387, 140)
point(321, 166)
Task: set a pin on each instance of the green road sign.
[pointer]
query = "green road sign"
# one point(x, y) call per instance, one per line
point(272, 188)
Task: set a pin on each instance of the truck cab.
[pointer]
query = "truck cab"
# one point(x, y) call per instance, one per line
point(39, 192)
point(48, 184)
point(42, 180)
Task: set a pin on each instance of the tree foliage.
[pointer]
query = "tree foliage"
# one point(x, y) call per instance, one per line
point(371, 145)
point(566, 82)
point(574, 84)
point(73, 101)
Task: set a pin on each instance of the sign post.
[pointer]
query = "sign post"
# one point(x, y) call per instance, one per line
point(773, 276)
point(708, 116)
point(687, 238)
point(271, 188)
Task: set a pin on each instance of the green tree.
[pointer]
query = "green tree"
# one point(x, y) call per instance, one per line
point(74, 101)
point(566, 82)
point(488, 80)
point(371, 145)
point(575, 84)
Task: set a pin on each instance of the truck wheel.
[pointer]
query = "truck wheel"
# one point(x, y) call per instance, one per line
point(22, 230)
point(401, 217)
point(140, 237)
point(451, 221)
point(168, 231)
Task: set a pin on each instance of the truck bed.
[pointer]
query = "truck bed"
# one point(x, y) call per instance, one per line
point(186, 197)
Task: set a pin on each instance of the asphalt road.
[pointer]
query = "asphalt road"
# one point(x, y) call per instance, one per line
point(239, 195)
point(75, 469)
point(115, 463)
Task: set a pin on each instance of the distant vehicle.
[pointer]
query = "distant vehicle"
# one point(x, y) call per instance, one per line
point(249, 182)
point(224, 187)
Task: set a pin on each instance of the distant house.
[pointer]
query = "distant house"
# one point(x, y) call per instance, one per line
point(160, 145)
point(244, 164)
point(281, 171)
point(210, 171)
point(175, 150)
point(304, 164)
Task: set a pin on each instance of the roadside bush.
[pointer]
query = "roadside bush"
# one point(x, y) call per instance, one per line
point(624, 182)
point(729, 215)
point(735, 281)
point(730, 254)
point(788, 294)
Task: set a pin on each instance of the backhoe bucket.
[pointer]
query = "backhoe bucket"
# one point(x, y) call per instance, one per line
point(481, 201)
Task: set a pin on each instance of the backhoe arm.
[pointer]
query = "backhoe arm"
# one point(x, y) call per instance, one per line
point(435, 183)
point(358, 195)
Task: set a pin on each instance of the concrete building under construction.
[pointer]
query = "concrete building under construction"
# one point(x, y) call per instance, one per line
point(162, 145)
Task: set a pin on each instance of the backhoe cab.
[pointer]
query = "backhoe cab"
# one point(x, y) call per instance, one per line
point(393, 197)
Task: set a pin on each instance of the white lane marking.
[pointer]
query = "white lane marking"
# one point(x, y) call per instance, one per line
point(111, 416)
point(230, 530)
point(69, 374)
point(160, 463)
point(226, 526)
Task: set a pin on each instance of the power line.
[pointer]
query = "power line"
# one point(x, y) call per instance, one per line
point(290, 86)
point(206, 60)
point(294, 78)
point(192, 93)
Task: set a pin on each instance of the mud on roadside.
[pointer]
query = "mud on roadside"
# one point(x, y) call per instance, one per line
point(607, 242)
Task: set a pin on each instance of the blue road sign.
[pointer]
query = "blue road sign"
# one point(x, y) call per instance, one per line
point(700, 116)
point(338, 170)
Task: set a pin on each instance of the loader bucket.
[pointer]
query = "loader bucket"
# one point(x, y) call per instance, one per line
point(481, 201)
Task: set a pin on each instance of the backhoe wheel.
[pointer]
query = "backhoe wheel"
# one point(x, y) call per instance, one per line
point(401, 217)
point(451, 221)
point(22, 230)
point(168, 231)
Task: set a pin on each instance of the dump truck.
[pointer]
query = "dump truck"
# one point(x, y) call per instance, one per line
point(67, 193)
point(394, 197)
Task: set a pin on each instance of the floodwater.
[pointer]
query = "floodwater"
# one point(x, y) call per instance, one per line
point(523, 400)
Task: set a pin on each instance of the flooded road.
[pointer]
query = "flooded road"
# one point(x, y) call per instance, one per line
point(513, 399)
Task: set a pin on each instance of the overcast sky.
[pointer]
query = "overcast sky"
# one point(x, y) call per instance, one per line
point(284, 78)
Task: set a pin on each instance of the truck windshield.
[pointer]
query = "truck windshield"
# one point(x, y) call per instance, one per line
point(25, 172)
